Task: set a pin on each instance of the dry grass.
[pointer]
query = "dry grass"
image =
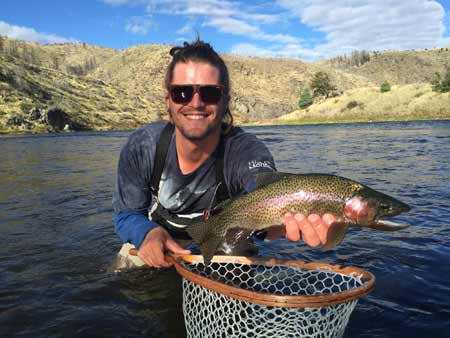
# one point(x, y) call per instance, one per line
point(400, 67)
point(125, 88)
point(403, 102)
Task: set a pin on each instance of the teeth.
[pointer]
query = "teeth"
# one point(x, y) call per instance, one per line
point(195, 117)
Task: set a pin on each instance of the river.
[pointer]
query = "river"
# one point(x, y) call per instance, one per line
point(58, 241)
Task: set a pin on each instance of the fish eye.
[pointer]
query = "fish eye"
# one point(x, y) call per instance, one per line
point(385, 207)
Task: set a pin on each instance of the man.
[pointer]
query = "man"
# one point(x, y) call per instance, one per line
point(204, 160)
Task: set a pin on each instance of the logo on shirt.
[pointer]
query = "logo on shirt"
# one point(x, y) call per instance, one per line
point(259, 164)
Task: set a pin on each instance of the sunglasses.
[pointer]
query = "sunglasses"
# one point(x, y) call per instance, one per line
point(182, 94)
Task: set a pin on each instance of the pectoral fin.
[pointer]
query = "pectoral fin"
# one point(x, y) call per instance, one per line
point(209, 248)
point(335, 235)
point(204, 235)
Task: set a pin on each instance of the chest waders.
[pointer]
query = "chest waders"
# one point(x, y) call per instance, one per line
point(166, 218)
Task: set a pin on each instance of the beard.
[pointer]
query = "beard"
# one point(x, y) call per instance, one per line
point(196, 133)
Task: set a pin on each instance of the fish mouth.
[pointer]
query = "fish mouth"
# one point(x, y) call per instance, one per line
point(387, 225)
point(389, 210)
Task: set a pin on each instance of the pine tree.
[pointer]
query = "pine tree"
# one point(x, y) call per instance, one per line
point(445, 83)
point(436, 82)
point(305, 99)
point(321, 84)
point(441, 84)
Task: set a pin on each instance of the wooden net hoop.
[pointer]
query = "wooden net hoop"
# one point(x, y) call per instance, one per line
point(366, 284)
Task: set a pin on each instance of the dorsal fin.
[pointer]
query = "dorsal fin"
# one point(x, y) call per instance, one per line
point(263, 179)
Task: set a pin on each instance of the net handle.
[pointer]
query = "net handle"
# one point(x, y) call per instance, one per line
point(302, 301)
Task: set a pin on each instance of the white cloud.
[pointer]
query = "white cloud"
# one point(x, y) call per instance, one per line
point(29, 34)
point(250, 50)
point(340, 26)
point(372, 24)
point(231, 17)
point(290, 51)
point(233, 26)
point(226, 16)
point(186, 29)
point(139, 25)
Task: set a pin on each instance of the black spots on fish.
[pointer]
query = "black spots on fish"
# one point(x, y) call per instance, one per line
point(267, 205)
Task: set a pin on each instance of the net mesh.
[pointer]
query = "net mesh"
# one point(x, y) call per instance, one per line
point(213, 314)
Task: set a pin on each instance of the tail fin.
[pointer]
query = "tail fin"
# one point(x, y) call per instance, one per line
point(204, 234)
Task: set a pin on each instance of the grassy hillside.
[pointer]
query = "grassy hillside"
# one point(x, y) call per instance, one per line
point(403, 102)
point(42, 98)
point(261, 88)
point(396, 67)
point(82, 87)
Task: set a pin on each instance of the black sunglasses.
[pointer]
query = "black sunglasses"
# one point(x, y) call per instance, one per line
point(182, 94)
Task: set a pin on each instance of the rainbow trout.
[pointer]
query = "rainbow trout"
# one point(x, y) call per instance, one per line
point(352, 203)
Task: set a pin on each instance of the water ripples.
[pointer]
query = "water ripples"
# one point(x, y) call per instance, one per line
point(59, 241)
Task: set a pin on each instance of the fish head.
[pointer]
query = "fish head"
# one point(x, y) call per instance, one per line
point(369, 207)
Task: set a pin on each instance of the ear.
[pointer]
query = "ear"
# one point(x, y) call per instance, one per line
point(167, 99)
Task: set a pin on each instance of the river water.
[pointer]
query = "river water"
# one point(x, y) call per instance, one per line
point(58, 241)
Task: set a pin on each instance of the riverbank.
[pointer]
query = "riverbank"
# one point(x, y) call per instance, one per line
point(343, 121)
point(414, 102)
point(74, 87)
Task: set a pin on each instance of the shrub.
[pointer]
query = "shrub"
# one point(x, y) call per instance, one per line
point(321, 84)
point(436, 82)
point(440, 83)
point(305, 99)
point(26, 107)
point(385, 87)
point(352, 104)
point(445, 83)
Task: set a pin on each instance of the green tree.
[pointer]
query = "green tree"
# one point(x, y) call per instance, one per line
point(305, 99)
point(441, 84)
point(385, 87)
point(436, 82)
point(445, 83)
point(321, 84)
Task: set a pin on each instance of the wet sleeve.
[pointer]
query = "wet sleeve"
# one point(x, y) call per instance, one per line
point(132, 196)
point(132, 226)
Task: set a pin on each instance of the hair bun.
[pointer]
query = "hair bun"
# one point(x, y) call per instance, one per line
point(175, 50)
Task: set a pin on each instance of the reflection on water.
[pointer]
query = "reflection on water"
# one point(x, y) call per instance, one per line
point(58, 239)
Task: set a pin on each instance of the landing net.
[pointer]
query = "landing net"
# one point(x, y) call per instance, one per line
point(242, 297)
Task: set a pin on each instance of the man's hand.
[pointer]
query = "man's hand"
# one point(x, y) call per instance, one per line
point(155, 244)
point(312, 229)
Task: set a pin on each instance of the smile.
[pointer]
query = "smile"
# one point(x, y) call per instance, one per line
point(195, 116)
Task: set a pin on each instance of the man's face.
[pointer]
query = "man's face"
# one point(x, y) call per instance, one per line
point(196, 120)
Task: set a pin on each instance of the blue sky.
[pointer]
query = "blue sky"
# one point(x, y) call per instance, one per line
point(304, 29)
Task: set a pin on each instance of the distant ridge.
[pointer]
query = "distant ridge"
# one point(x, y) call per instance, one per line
point(83, 87)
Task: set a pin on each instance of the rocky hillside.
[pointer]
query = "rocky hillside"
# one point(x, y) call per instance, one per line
point(395, 67)
point(261, 88)
point(82, 87)
point(368, 104)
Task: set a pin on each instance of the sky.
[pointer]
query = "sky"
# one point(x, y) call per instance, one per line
point(308, 30)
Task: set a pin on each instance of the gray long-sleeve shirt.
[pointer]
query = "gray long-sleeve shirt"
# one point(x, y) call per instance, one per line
point(244, 156)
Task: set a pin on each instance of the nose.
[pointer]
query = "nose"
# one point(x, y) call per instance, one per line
point(196, 100)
